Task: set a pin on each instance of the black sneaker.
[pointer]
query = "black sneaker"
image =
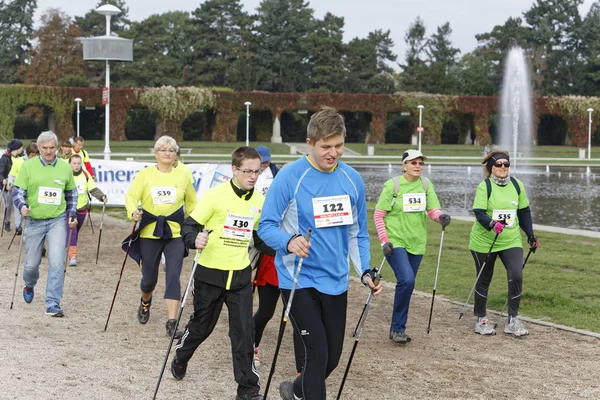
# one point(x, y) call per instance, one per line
point(144, 311)
point(7, 226)
point(19, 231)
point(178, 370)
point(249, 396)
point(43, 252)
point(171, 329)
point(286, 391)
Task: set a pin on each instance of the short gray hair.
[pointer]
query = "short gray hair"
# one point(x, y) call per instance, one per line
point(47, 137)
point(165, 141)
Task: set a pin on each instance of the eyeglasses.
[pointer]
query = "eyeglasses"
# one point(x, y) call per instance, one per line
point(502, 164)
point(250, 172)
point(421, 163)
point(171, 151)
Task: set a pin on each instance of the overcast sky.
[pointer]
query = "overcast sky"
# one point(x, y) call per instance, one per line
point(467, 17)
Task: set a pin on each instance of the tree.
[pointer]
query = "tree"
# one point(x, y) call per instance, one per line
point(367, 65)
point(219, 28)
point(556, 34)
point(473, 76)
point(442, 56)
point(325, 49)
point(16, 29)
point(414, 66)
point(161, 45)
point(590, 36)
point(282, 56)
point(57, 53)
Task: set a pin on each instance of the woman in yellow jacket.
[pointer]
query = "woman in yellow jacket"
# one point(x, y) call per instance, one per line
point(159, 198)
point(85, 184)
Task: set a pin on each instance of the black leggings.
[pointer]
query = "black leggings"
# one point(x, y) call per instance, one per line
point(267, 302)
point(151, 250)
point(320, 319)
point(513, 262)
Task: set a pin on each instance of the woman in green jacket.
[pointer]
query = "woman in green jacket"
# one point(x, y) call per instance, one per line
point(501, 207)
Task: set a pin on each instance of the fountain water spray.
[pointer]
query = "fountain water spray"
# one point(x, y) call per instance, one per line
point(516, 107)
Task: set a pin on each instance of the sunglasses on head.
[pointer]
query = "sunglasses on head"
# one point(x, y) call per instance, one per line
point(421, 163)
point(502, 164)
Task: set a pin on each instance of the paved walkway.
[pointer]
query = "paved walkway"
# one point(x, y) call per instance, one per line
point(546, 228)
point(302, 148)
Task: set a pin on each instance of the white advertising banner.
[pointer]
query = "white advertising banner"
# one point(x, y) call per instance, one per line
point(114, 177)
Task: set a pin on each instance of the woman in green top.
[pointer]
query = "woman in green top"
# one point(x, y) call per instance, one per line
point(501, 207)
point(400, 217)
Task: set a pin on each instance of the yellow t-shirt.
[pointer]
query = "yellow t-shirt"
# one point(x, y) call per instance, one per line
point(84, 184)
point(161, 194)
point(17, 162)
point(232, 220)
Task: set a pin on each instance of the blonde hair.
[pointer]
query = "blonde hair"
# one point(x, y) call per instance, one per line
point(325, 124)
point(165, 141)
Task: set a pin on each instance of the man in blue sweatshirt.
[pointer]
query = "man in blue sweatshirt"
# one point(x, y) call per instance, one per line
point(322, 193)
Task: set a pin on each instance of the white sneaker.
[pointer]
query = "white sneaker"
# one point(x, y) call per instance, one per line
point(515, 327)
point(256, 358)
point(483, 327)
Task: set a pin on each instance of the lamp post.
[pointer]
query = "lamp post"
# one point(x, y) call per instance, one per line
point(590, 110)
point(78, 100)
point(247, 104)
point(420, 128)
point(108, 10)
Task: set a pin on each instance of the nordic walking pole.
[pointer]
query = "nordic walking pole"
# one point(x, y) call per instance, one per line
point(359, 327)
point(18, 264)
point(531, 250)
point(3, 218)
point(90, 219)
point(460, 314)
point(13, 239)
point(67, 248)
point(181, 305)
point(100, 234)
point(437, 270)
point(285, 318)
point(121, 274)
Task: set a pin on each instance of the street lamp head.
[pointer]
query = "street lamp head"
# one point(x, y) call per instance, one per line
point(247, 104)
point(108, 9)
point(78, 100)
point(420, 106)
point(590, 110)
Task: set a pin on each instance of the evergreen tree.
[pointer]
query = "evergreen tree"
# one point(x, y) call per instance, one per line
point(325, 49)
point(367, 65)
point(161, 45)
point(282, 56)
point(415, 67)
point(217, 31)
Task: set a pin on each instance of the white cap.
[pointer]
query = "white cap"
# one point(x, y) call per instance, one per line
point(412, 154)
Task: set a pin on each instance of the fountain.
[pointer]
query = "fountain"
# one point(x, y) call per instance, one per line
point(516, 107)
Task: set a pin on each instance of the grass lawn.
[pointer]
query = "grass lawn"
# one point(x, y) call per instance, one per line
point(560, 280)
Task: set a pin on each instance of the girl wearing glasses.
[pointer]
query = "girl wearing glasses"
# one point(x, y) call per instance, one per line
point(163, 191)
point(400, 217)
point(501, 207)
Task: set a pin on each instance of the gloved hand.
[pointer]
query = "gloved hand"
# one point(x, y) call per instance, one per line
point(387, 248)
point(533, 242)
point(498, 227)
point(371, 278)
point(445, 219)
